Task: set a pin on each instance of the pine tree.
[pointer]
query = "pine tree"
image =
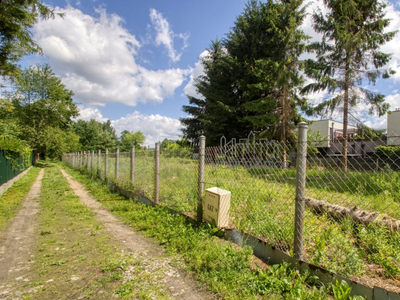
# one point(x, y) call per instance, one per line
point(272, 64)
point(349, 53)
point(252, 76)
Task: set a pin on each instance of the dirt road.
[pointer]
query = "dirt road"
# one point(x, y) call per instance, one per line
point(18, 242)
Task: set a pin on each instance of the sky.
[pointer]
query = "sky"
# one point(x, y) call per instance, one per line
point(133, 62)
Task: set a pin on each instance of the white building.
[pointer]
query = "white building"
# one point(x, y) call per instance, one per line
point(331, 131)
point(393, 128)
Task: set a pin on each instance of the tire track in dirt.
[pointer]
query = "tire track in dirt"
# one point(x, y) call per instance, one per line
point(17, 239)
point(178, 283)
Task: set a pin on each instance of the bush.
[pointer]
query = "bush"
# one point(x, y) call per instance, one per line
point(388, 151)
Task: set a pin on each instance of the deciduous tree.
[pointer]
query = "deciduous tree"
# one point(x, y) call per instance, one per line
point(17, 17)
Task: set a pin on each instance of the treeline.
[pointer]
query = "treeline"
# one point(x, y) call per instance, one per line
point(254, 79)
point(39, 114)
point(37, 111)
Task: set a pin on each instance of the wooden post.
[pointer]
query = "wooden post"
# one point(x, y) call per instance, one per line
point(157, 173)
point(133, 164)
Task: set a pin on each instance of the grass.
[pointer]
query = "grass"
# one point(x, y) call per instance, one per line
point(225, 268)
point(75, 257)
point(11, 200)
point(262, 204)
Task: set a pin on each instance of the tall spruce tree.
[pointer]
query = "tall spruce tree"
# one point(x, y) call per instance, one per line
point(219, 113)
point(251, 76)
point(349, 53)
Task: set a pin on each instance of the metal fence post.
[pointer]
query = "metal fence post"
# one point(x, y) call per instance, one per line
point(106, 165)
point(157, 173)
point(116, 163)
point(201, 179)
point(133, 164)
point(300, 190)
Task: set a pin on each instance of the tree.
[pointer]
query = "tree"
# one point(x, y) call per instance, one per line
point(252, 76)
point(16, 18)
point(353, 31)
point(129, 139)
point(41, 104)
point(94, 135)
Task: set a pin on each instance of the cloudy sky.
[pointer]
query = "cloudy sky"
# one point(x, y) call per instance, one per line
point(133, 61)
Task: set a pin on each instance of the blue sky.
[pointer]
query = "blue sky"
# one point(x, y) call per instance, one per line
point(133, 61)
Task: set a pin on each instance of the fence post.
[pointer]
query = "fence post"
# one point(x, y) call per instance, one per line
point(92, 163)
point(157, 173)
point(106, 165)
point(133, 164)
point(300, 190)
point(98, 162)
point(88, 161)
point(200, 186)
point(80, 159)
point(116, 164)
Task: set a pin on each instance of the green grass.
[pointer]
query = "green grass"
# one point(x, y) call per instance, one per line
point(225, 268)
point(11, 200)
point(76, 257)
point(262, 204)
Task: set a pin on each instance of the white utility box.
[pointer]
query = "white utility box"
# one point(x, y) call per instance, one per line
point(216, 206)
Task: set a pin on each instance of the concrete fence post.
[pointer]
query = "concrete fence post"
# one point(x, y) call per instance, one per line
point(80, 159)
point(200, 186)
point(300, 190)
point(116, 163)
point(133, 164)
point(157, 173)
point(106, 165)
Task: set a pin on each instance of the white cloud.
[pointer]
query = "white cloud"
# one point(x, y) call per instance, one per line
point(154, 127)
point(197, 71)
point(165, 36)
point(95, 56)
point(88, 113)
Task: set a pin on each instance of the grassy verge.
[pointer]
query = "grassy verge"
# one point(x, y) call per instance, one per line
point(11, 200)
point(225, 268)
point(262, 204)
point(75, 257)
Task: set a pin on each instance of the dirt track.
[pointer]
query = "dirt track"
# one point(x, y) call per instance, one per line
point(18, 240)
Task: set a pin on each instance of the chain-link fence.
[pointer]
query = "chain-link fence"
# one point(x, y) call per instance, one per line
point(301, 198)
point(353, 207)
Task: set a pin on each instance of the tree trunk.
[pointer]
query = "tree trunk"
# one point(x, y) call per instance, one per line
point(345, 117)
point(284, 127)
point(356, 214)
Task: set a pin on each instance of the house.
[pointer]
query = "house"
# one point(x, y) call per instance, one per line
point(332, 137)
point(330, 131)
point(393, 128)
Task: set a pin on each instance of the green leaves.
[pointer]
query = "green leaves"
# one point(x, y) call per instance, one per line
point(16, 18)
point(252, 76)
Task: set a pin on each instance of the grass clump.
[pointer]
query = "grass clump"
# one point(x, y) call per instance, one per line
point(11, 200)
